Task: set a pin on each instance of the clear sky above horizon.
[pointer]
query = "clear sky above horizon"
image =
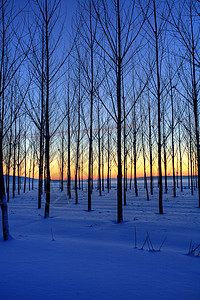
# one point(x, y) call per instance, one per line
point(68, 6)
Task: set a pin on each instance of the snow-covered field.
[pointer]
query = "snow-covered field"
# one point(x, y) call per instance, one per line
point(76, 254)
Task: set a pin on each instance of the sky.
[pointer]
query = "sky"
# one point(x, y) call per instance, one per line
point(68, 9)
point(68, 5)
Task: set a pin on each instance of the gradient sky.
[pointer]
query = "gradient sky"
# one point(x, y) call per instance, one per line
point(68, 8)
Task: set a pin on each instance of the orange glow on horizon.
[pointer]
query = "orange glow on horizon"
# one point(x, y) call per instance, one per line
point(56, 174)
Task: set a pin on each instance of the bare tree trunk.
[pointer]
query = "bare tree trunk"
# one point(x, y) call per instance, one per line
point(144, 162)
point(135, 151)
point(41, 126)
point(90, 161)
point(188, 155)
point(125, 150)
point(3, 202)
point(173, 152)
point(92, 170)
point(165, 154)
point(18, 158)
point(102, 153)
point(8, 174)
point(131, 177)
point(99, 151)
point(62, 161)
point(68, 150)
point(41, 156)
point(119, 118)
point(159, 113)
point(108, 159)
point(82, 169)
point(25, 157)
point(193, 179)
point(14, 159)
point(78, 140)
point(195, 107)
point(79, 177)
point(9, 158)
point(29, 186)
point(110, 178)
point(33, 168)
point(150, 149)
point(47, 135)
point(177, 170)
point(180, 156)
point(196, 171)
point(45, 178)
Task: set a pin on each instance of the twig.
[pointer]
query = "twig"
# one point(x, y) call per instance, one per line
point(144, 244)
point(190, 247)
point(196, 248)
point(162, 243)
point(52, 235)
point(150, 241)
point(135, 238)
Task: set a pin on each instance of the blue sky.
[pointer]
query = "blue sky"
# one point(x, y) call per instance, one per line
point(68, 6)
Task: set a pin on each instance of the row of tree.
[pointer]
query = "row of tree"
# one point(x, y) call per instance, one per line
point(120, 92)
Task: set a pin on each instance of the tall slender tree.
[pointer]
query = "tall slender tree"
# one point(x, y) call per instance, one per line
point(184, 21)
point(118, 25)
point(9, 66)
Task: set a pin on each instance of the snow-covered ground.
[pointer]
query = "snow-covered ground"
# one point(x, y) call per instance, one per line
point(76, 254)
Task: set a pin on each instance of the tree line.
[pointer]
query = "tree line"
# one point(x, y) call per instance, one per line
point(112, 91)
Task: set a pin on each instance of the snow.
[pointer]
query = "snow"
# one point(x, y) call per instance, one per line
point(76, 254)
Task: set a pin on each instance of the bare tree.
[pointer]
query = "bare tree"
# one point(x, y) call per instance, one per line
point(150, 146)
point(184, 20)
point(9, 66)
point(118, 25)
point(69, 144)
point(143, 151)
point(108, 155)
point(46, 15)
point(172, 132)
point(78, 131)
point(156, 36)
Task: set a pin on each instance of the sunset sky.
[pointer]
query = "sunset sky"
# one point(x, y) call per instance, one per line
point(68, 8)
